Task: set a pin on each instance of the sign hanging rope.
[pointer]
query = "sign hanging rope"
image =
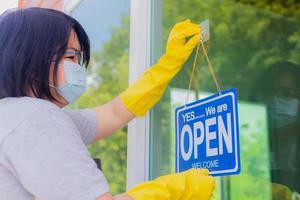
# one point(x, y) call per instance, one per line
point(210, 66)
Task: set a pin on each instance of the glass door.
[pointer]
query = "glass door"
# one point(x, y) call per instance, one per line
point(254, 47)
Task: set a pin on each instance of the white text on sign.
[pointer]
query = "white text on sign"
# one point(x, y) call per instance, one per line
point(200, 131)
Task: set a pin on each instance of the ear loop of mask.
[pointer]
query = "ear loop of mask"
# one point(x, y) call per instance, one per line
point(53, 62)
point(211, 69)
point(50, 84)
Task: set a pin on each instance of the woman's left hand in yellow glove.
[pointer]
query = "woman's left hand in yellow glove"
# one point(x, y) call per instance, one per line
point(144, 93)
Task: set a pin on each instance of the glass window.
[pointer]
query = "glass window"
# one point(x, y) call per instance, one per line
point(254, 47)
point(107, 24)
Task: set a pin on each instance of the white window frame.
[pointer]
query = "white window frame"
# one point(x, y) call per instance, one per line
point(139, 60)
point(145, 48)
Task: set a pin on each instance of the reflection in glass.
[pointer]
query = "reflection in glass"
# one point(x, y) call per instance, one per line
point(245, 40)
point(279, 88)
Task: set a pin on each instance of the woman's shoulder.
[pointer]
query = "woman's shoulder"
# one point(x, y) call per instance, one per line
point(24, 106)
point(35, 112)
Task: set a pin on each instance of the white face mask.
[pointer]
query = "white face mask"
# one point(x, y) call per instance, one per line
point(284, 111)
point(286, 106)
point(75, 81)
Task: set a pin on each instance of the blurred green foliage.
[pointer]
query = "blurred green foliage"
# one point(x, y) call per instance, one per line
point(283, 7)
point(245, 38)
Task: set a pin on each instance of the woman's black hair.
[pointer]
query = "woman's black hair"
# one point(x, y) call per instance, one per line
point(29, 40)
point(264, 86)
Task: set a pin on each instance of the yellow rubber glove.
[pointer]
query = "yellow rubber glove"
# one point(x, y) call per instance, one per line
point(144, 93)
point(194, 184)
point(281, 192)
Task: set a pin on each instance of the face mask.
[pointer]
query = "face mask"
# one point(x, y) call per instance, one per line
point(286, 106)
point(284, 111)
point(75, 85)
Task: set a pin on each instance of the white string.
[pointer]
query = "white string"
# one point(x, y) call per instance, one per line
point(211, 69)
point(192, 75)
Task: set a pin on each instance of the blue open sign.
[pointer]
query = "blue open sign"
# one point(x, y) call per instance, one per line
point(207, 135)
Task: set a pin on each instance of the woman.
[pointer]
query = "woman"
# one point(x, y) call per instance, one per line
point(43, 155)
point(278, 87)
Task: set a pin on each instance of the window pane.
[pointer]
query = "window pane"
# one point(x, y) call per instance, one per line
point(107, 24)
point(255, 48)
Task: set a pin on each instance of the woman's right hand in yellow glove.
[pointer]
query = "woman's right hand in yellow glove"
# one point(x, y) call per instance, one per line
point(194, 184)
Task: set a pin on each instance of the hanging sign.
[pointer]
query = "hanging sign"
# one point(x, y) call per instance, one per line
point(207, 134)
